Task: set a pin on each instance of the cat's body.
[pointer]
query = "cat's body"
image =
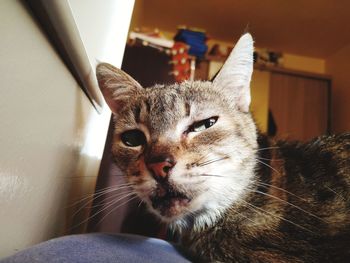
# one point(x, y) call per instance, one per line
point(191, 152)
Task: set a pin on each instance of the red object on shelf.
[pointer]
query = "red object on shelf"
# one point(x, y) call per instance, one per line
point(180, 61)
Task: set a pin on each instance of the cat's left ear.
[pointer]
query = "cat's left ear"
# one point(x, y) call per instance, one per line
point(235, 75)
point(116, 85)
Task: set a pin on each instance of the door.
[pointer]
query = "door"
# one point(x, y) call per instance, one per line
point(299, 106)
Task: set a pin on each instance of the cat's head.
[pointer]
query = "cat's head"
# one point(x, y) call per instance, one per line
point(187, 148)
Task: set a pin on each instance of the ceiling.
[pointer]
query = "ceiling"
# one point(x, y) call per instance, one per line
point(315, 28)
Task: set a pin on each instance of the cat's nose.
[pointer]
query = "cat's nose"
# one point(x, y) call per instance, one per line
point(161, 169)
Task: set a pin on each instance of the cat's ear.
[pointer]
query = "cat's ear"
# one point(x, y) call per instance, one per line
point(234, 76)
point(117, 86)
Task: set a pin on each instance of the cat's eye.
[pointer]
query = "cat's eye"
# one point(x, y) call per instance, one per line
point(133, 138)
point(203, 124)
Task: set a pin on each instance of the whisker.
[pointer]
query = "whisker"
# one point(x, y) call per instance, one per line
point(281, 189)
point(112, 196)
point(81, 176)
point(115, 208)
point(257, 149)
point(267, 148)
point(141, 201)
point(103, 190)
point(268, 166)
point(214, 175)
point(204, 156)
point(212, 161)
point(94, 197)
point(109, 187)
point(100, 211)
point(268, 159)
point(293, 205)
point(108, 204)
point(339, 195)
point(258, 209)
point(240, 214)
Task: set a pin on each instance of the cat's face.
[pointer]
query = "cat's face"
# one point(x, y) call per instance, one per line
point(188, 148)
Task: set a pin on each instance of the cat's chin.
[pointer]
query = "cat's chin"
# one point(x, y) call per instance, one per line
point(173, 208)
point(170, 205)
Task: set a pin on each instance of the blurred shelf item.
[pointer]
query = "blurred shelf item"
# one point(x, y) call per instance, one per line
point(195, 39)
point(282, 70)
point(151, 39)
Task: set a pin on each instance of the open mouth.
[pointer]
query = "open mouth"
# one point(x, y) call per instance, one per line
point(169, 202)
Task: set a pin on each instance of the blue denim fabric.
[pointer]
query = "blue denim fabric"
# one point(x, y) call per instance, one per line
point(99, 248)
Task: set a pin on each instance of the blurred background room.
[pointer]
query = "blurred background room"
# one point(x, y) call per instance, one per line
point(56, 131)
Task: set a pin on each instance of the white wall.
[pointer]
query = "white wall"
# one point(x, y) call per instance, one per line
point(47, 150)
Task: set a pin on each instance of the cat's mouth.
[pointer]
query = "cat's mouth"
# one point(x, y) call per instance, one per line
point(169, 202)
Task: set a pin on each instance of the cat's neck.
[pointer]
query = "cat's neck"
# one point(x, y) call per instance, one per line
point(267, 191)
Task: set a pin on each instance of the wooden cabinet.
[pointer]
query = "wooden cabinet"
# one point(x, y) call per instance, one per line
point(299, 105)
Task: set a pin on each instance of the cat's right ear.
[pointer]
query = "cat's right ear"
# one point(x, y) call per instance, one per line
point(116, 86)
point(235, 75)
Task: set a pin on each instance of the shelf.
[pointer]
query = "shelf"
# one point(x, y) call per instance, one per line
point(277, 69)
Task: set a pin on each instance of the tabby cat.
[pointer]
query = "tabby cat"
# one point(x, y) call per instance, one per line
point(192, 153)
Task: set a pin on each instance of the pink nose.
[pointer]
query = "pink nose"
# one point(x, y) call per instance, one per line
point(161, 169)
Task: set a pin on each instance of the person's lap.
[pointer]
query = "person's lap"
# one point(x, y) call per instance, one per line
point(98, 248)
